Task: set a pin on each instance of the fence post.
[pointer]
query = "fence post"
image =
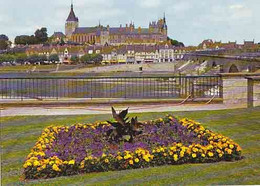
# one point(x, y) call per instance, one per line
point(192, 88)
point(180, 87)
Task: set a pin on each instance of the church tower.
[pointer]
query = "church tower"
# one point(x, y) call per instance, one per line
point(72, 23)
point(165, 27)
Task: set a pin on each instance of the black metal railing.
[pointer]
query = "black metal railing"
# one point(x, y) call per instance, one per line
point(111, 87)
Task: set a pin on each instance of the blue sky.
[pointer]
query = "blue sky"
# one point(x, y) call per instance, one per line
point(189, 21)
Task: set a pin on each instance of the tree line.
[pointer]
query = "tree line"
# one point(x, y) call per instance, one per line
point(22, 58)
point(40, 36)
point(35, 58)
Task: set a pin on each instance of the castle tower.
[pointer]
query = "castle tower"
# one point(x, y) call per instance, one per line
point(72, 23)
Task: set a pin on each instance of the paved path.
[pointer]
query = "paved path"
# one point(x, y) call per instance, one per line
point(45, 110)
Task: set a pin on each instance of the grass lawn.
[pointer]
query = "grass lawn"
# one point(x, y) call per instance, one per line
point(19, 134)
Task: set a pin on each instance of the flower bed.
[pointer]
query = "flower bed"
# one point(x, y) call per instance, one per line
point(84, 148)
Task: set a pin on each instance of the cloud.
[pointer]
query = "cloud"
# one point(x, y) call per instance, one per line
point(150, 3)
point(236, 7)
point(239, 11)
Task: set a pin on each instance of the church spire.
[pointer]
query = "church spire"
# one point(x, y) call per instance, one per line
point(72, 16)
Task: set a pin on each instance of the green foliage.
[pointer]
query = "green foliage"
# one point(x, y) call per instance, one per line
point(25, 40)
point(7, 58)
point(4, 42)
point(175, 42)
point(74, 59)
point(54, 57)
point(3, 45)
point(41, 35)
point(21, 58)
point(3, 38)
point(91, 58)
point(124, 130)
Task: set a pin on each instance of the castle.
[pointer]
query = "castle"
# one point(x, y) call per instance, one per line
point(122, 35)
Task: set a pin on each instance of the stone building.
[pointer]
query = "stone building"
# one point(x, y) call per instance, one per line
point(122, 35)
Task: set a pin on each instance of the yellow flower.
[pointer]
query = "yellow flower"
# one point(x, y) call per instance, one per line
point(231, 146)
point(210, 154)
point(128, 156)
point(173, 148)
point(106, 161)
point(203, 155)
point(220, 155)
point(71, 162)
point(164, 154)
point(131, 162)
point(195, 149)
point(146, 158)
point(194, 155)
point(136, 160)
point(104, 155)
point(82, 165)
point(229, 151)
point(171, 153)
point(27, 164)
point(175, 157)
point(55, 167)
point(36, 163)
point(119, 157)
point(181, 154)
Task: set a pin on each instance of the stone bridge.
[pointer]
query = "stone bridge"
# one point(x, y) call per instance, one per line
point(227, 64)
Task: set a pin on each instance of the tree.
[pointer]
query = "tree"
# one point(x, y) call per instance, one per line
point(7, 58)
point(3, 45)
point(25, 40)
point(98, 58)
point(4, 42)
point(175, 42)
point(41, 35)
point(74, 59)
point(42, 58)
point(4, 37)
point(54, 58)
point(21, 58)
point(33, 58)
point(86, 58)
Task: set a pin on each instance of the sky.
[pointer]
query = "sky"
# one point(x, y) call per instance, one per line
point(189, 21)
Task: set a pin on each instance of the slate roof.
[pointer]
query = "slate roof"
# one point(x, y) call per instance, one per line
point(58, 34)
point(72, 16)
point(85, 30)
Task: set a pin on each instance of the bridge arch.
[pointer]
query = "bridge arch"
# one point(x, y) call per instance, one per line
point(233, 69)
